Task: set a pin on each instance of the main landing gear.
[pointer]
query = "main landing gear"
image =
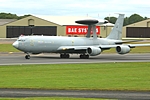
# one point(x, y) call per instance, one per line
point(64, 55)
point(84, 56)
point(27, 56)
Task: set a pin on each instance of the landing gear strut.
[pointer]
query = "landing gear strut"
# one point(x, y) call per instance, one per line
point(64, 55)
point(83, 56)
point(27, 56)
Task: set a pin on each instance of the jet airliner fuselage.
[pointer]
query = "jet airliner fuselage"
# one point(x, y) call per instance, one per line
point(85, 46)
point(52, 44)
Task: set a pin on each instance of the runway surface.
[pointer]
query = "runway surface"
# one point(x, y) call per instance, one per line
point(18, 58)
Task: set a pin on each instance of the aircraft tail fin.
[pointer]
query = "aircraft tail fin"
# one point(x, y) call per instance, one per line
point(116, 32)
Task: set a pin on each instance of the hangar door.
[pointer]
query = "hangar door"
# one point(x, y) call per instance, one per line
point(138, 32)
point(16, 31)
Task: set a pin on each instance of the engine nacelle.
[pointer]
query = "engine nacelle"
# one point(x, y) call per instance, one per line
point(123, 49)
point(93, 51)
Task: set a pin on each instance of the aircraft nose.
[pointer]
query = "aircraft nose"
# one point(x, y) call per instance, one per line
point(15, 44)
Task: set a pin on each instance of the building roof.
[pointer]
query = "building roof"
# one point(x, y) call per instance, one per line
point(108, 24)
point(66, 20)
point(60, 20)
point(6, 21)
point(139, 23)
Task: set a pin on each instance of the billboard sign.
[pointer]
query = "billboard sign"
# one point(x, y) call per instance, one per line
point(79, 30)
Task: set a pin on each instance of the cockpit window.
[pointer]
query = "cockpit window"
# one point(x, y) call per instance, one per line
point(21, 40)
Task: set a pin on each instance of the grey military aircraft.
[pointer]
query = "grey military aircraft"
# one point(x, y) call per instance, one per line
point(85, 46)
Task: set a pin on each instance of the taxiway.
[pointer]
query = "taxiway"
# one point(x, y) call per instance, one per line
point(75, 93)
point(18, 58)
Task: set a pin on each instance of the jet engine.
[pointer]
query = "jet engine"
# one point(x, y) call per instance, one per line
point(93, 51)
point(123, 49)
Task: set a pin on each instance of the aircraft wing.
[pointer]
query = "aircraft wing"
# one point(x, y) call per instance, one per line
point(73, 47)
point(80, 48)
point(130, 45)
point(129, 41)
point(137, 45)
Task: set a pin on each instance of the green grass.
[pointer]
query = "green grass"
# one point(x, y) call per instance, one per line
point(7, 48)
point(111, 76)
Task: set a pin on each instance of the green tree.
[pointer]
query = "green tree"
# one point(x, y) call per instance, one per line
point(127, 20)
point(8, 16)
point(11, 16)
point(20, 17)
point(145, 18)
point(135, 18)
point(111, 19)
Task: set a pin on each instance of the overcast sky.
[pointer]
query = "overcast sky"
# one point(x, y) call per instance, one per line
point(93, 8)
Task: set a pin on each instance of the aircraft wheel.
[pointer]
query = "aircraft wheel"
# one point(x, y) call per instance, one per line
point(61, 55)
point(84, 56)
point(67, 55)
point(87, 56)
point(81, 56)
point(27, 56)
point(64, 55)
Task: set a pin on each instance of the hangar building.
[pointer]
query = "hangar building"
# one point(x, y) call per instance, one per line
point(137, 30)
point(48, 25)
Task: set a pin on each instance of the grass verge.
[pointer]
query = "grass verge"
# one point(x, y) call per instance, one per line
point(7, 48)
point(110, 76)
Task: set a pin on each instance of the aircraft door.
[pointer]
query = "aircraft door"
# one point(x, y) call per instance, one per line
point(31, 42)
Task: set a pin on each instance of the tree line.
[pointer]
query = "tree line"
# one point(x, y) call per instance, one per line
point(11, 16)
point(127, 20)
